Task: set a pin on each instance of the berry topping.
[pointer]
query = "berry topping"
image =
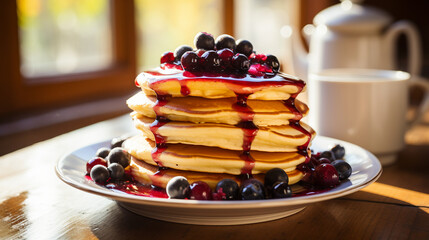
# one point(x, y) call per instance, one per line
point(281, 190)
point(178, 187)
point(103, 152)
point(225, 41)
point(343, 168)
point(339, 151)
point(200, 52)
point(116, 171)
point(226, 55)
point(178, 53)
point(252, 189)
point(93, 162)
point(275, 175)
point(328, 154)
point(244, 47)
point(273, 63)
point(324, 160)
point(167, 57)
point(117, 142)
point(190, 61)
point(100, 174)
point(259, 69)
point(326, 175)
point(240, 62)
point(212, 61)
point(201, 191)
point(229, 188)
point(119, 155)
point(204, 41)
point(257, 58)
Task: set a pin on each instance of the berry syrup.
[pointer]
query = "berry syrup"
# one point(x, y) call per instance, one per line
point(250, 130)
point(294, 123)
point(161, 120)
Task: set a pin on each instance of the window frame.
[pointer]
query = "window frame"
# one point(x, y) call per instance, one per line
point(20, 93)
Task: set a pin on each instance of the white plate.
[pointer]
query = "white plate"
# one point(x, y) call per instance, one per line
point(366, 170)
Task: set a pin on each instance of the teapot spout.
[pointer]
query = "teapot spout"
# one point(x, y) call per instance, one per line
point(297, 54)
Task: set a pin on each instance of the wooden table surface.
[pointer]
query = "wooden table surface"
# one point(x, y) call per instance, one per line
point(36, 204)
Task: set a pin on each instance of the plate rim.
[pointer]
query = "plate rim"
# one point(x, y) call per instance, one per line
point(242, 204)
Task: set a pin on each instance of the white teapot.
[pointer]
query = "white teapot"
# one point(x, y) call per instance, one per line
point(357, 36)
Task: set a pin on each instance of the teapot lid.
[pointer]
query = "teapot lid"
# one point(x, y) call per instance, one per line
point(352, 17)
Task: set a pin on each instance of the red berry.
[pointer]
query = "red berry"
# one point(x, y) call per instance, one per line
point(167, 57)
point(190, 61)
point(95, 161)
point(201, 191)
point(326, 175)
point(200, 52)
point(226, 55)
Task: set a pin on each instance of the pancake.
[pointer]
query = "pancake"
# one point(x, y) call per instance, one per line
point(209, 159)
point(283, 138)
point(203, 110)
point(151, 175)
point(178, 83)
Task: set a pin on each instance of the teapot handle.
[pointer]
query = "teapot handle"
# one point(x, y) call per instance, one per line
point(413, 43)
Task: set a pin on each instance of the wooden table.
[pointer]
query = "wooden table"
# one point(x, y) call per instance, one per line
point(35, 204)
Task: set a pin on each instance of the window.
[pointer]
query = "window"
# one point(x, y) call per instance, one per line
point(47, 74)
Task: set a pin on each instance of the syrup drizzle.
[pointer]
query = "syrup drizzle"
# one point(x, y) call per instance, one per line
point(161, 120)
point(250, 130)
point(294, 123)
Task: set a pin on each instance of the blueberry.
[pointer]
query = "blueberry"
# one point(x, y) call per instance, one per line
point(275, 175)
point(225, 41)
point(116, 171)
point(190, 61)
point(178, 187)
point(103, 152)
point(240, 62)
point(167, 57)
point(343, 168)
point(204, 41)
point(339, 151)
point(281, 190)
point(211, 61)
point(252, 189)
point(100, 174)
point(180, 50)
point(229, 187)
point(244, 47)
point(117, 142)
point(328, 154)
point(201, 191)
point(119, 155)
point(273, 63)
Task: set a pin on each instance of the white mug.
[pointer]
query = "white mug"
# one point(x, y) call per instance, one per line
point(364, 106)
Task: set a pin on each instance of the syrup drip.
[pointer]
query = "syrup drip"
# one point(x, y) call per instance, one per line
point(250, 130)
point(160, 121)
point(290, 104)
point(184, 89)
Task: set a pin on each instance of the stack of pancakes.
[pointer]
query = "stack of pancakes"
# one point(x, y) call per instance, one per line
point(207, 128)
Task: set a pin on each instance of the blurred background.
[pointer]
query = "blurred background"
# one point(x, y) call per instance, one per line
point(68, 63)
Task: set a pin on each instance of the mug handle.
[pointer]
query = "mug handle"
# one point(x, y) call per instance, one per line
point(424, 104)
point(413, 43)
